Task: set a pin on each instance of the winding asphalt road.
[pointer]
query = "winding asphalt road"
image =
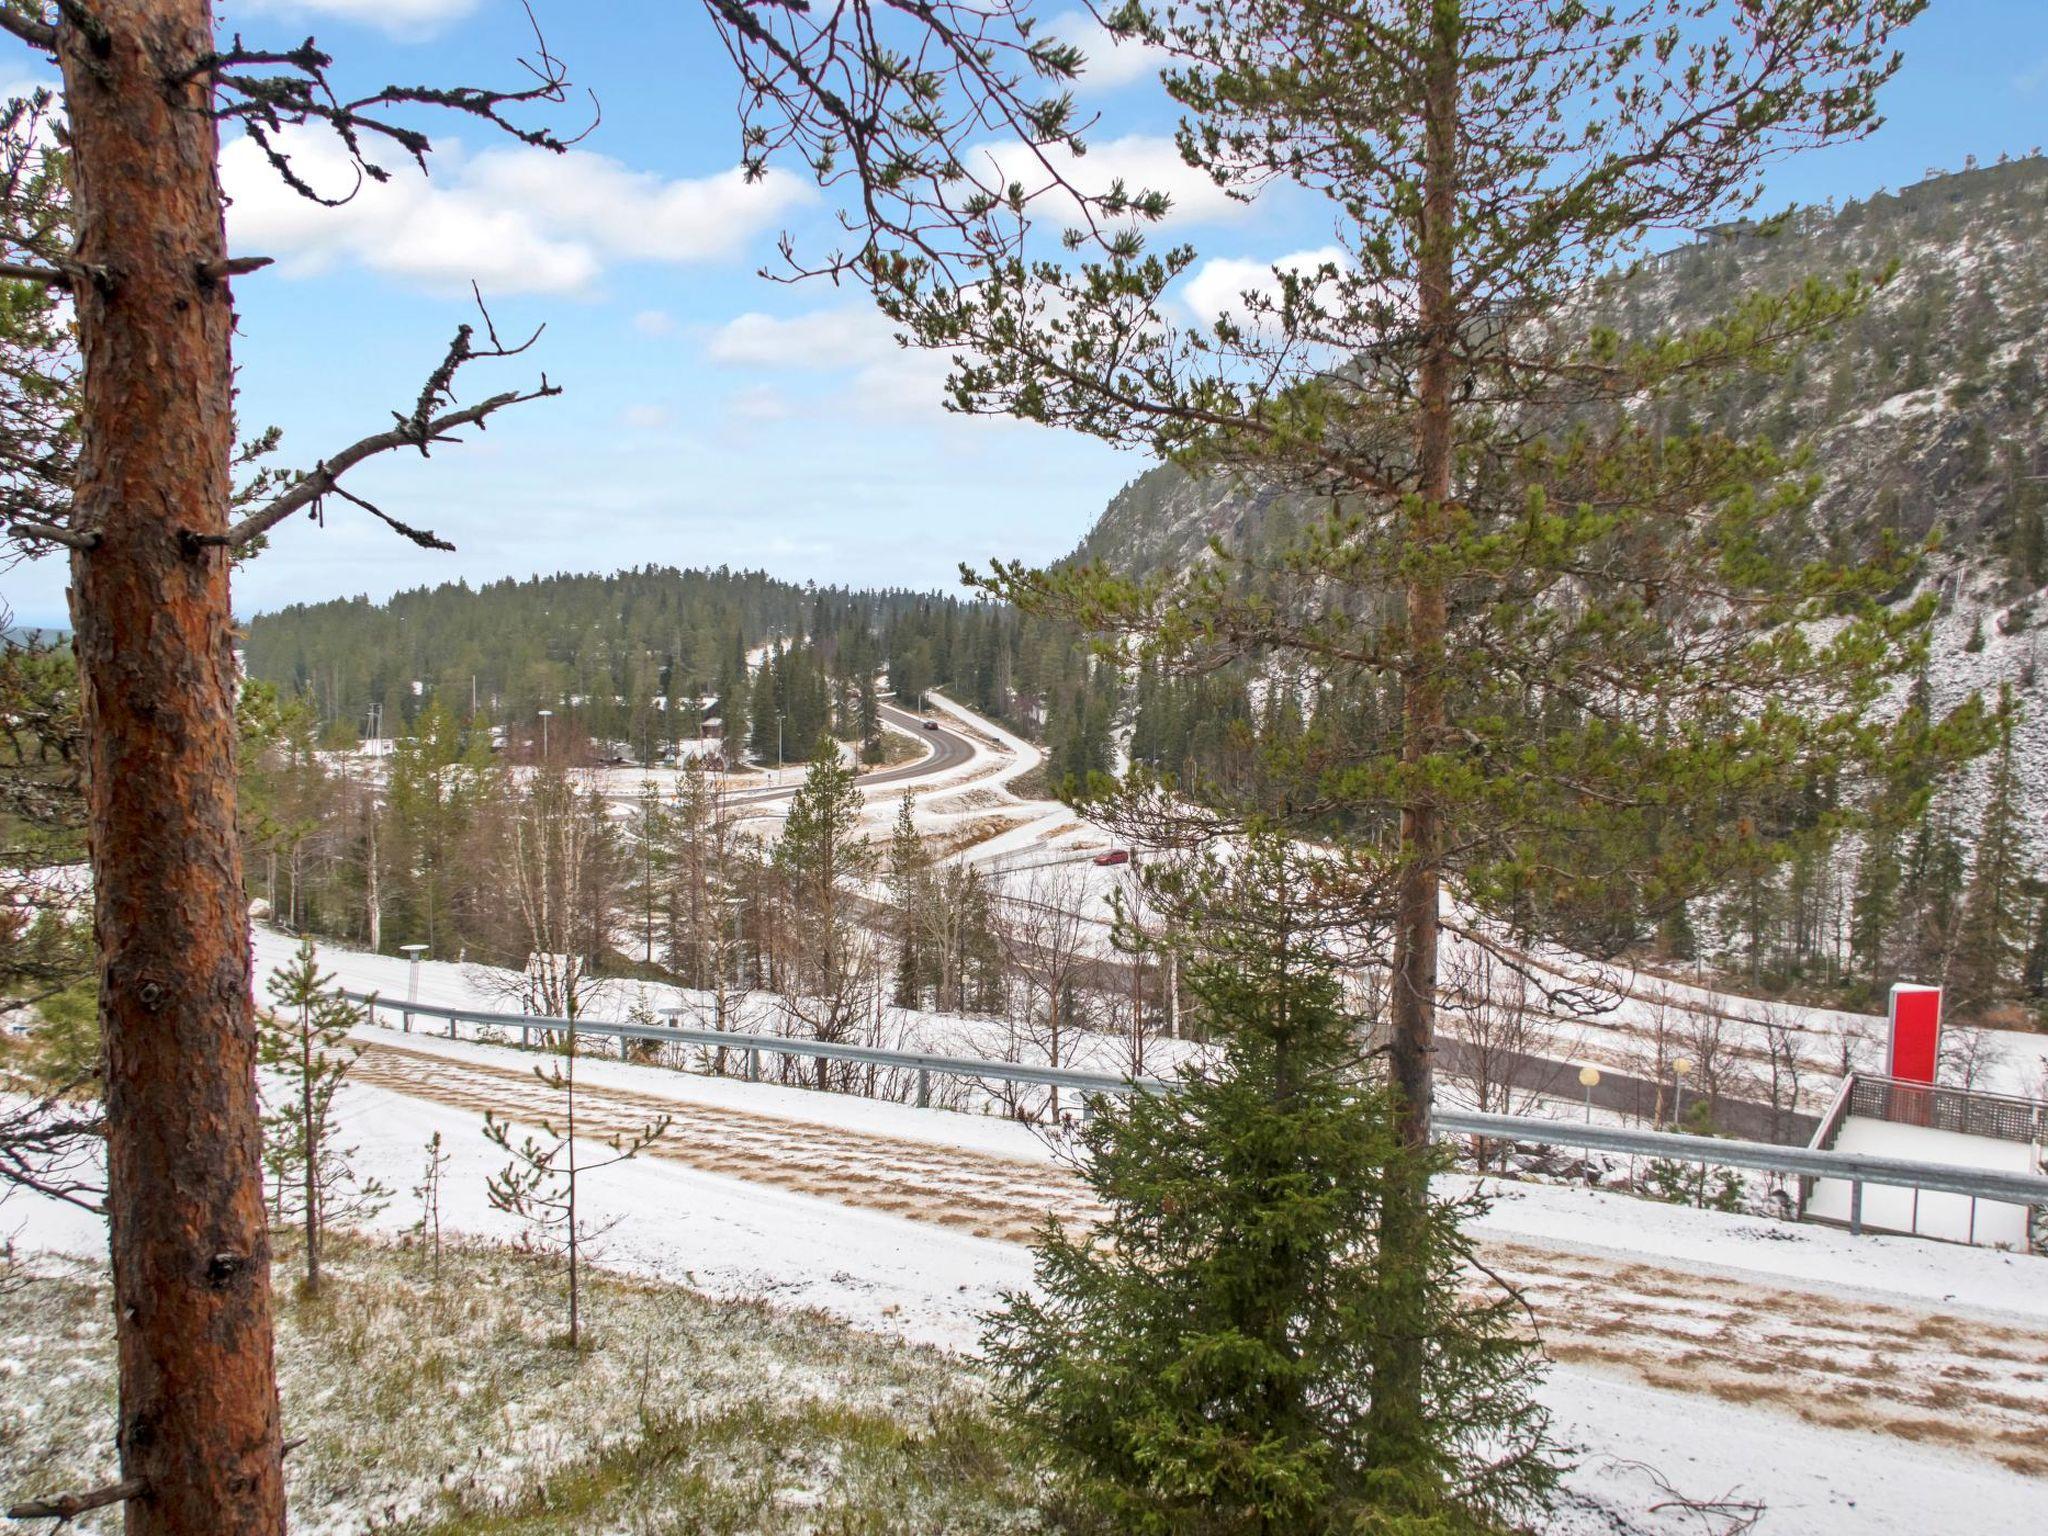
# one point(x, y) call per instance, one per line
point(950, 750)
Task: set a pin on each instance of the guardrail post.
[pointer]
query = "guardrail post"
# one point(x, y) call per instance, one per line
point(451, 1026)
point(1855, 1207)
point(924, 1088)
point(408, 1021)
point(754, 1065)
point(526, 1036)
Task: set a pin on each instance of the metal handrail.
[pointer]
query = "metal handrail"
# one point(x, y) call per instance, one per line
point(1968, 1111)
point(1856, 1168)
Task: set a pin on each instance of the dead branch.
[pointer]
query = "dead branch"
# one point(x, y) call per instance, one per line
point(32, 30)
point(1723, 1516)
point(43, 1147)
point(50, 533)
point(269, 90)
point(70, 1506)
point(425, 425)
point(1574, 999)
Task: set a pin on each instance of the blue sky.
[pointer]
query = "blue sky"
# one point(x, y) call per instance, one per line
point(712, 417)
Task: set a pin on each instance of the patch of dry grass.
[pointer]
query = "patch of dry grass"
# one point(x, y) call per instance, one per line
point(452, 1406)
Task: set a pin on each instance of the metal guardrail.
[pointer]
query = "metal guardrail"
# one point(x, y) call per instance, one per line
point(1856, 1168)
point(1852, 1167)
point(927, 1064)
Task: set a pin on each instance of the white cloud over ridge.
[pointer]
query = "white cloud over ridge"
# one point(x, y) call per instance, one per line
point(516, 220)
point(886, 379)
point(1218, 286)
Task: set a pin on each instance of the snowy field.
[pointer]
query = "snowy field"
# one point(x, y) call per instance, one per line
point(1852, 1385)
point(756, 1231)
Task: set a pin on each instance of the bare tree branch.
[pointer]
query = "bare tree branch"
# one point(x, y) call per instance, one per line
point(22, 272)
point(70, 1506)
point(32, 30)
point(425, 425)
point(52, 534)
point(265, 104)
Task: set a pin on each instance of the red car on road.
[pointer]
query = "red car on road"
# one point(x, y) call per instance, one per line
point(1114, 856)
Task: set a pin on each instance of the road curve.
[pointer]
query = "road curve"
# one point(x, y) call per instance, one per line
point(950, 750)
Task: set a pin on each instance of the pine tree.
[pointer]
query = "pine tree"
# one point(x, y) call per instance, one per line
point(1991, 938)
point(1201, 1361)
point(304, 1044)
point(822, 864)
point(1601, 647)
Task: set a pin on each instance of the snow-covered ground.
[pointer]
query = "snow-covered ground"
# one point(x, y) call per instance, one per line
point(737, 1235)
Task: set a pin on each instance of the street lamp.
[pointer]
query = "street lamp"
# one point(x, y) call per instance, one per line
point(1679, 1069)
point(412, 952)
point(544, 714)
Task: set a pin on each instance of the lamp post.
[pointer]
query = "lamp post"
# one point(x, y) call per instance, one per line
point(544, 714)
point(1589, 1079)
point(412, 953)
point(1679, 1069)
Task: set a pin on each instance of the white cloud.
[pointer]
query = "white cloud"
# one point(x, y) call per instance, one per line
point(399, 17)
point(759, 402)
point(1110, 62)
point(821, 339)
point(516, 220)
point(883, 377)
point(654, 322)
point(647, 418)
point(1143, 162)
point(1218, 286)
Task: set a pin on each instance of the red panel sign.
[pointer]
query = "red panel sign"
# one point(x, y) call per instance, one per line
point(1915, 1032)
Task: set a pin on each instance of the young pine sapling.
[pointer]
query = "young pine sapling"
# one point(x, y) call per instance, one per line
point(304, 1046)
point(540, 1183)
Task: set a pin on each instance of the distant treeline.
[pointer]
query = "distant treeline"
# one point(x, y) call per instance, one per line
point(644, 657)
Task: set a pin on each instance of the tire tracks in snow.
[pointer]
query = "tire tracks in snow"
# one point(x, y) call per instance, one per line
point(1920, 1375)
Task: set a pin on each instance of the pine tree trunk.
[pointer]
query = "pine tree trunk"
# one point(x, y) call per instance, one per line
point(312, 1149)
point(198, 1418)
point(1398, 1434)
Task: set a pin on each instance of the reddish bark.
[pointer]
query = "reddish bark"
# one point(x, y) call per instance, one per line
point(191, 1255)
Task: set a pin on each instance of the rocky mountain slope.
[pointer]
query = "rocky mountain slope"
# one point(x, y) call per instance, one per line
point(1926, 414)
point(1929, 412)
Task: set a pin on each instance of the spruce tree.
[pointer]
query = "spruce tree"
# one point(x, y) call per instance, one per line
point(1991, 938)
point(1202, 1363)
point(823, 864)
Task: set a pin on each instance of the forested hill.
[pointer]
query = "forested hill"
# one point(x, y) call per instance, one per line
point(637, 656)
point(521, 642)
point(1928, 413)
